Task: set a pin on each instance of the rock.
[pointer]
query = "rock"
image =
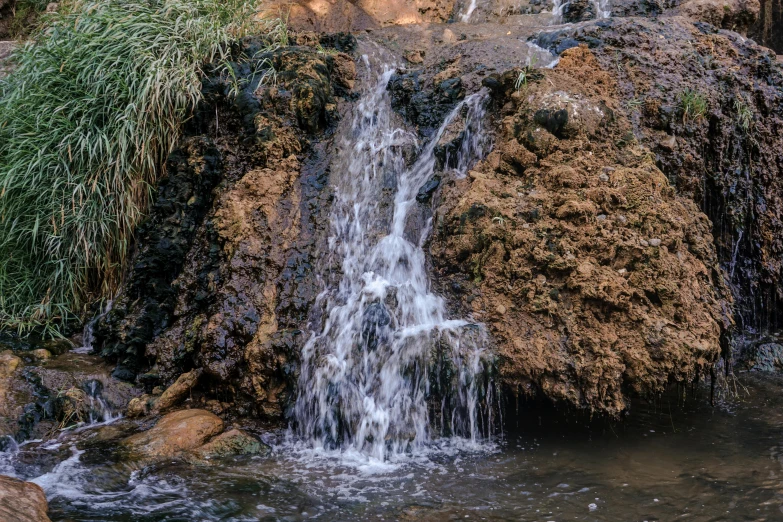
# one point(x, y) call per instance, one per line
point(140, 406)
point(603, 177)
point(8, 363)
point(177, 392)
point(230, 443)
point(175, 433)
point(655, 242)
point(669, 143)
point(766, 358)
point(558, 265)
point(414, 57)
point(22, 501)
point(41, 354)
point(736, 15)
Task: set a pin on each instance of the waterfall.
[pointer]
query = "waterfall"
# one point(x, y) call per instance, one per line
point(370, 372)
point(465, 17)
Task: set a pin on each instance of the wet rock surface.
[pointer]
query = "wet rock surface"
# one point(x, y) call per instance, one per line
point(174, 434)
point(22, 501)
point(651, 199)
point(223, 278)
point(596, 279)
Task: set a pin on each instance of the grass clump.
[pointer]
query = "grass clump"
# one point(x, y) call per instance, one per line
point(744, 113)
point(693, 105)
point(94, 105)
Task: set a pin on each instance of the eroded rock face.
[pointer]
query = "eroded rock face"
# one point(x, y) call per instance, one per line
point(224, 277)
point(726, 158)
point(332, 16)
point(594, 277)
point(22, 501)
point(768, 30)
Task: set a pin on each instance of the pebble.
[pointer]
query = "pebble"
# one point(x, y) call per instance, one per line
point(601, 217)
point(655, 242)
point(500, 309)
point(644, 243)
point(603, 177)
point(622, 271)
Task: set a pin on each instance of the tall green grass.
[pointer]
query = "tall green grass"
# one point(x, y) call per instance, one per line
point(94, 105)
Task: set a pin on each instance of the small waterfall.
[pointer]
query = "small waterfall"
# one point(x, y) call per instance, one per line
point(88, 335)
point(370, 373)
point(99, 411)
point(603, 9)
point(465, 17)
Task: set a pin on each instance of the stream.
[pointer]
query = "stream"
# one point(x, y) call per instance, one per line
point(664, 462)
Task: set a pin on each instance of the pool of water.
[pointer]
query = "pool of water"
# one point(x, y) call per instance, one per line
point(678, 459)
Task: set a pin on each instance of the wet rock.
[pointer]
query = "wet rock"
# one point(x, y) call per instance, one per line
point(177, 392)
point(173, 434)
point(41, 354)
point(426, 190)
point(764, 358)
point(578, 11)
point(239, 219)
point(736, 15)
point(22, 501)
point(231, 443)
point(727, 160)
point(555, 267)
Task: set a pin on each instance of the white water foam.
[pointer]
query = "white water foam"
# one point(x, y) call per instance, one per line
point(366, 374)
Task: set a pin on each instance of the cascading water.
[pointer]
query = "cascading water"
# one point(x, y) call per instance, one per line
point(370, 372)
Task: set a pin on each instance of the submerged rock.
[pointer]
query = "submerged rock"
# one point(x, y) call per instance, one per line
point(22, 501)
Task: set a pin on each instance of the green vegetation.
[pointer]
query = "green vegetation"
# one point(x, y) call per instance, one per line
point(95, 104)
point(693, 105)
point(744, 113)
point(525, 73)
point(25, 14)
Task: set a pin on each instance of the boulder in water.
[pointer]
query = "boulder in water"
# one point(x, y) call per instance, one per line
point(22, 501)
point(174, 434)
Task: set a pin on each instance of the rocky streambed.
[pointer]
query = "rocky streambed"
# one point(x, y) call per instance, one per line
point(442, 260)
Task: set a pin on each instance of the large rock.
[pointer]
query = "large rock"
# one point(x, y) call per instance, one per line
point(174, 434)
point(594, 277)
point(22, 501)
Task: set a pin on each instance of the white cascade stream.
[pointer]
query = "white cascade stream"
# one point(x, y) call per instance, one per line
point(367, 376)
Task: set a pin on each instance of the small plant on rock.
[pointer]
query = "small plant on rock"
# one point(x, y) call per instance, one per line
point(744, 113)
point(693, 105)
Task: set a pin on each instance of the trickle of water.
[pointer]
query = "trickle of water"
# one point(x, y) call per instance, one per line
point(465, 17)
point(88, 335)
point(370, 372)
point(603, 8)
point(100, 412)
